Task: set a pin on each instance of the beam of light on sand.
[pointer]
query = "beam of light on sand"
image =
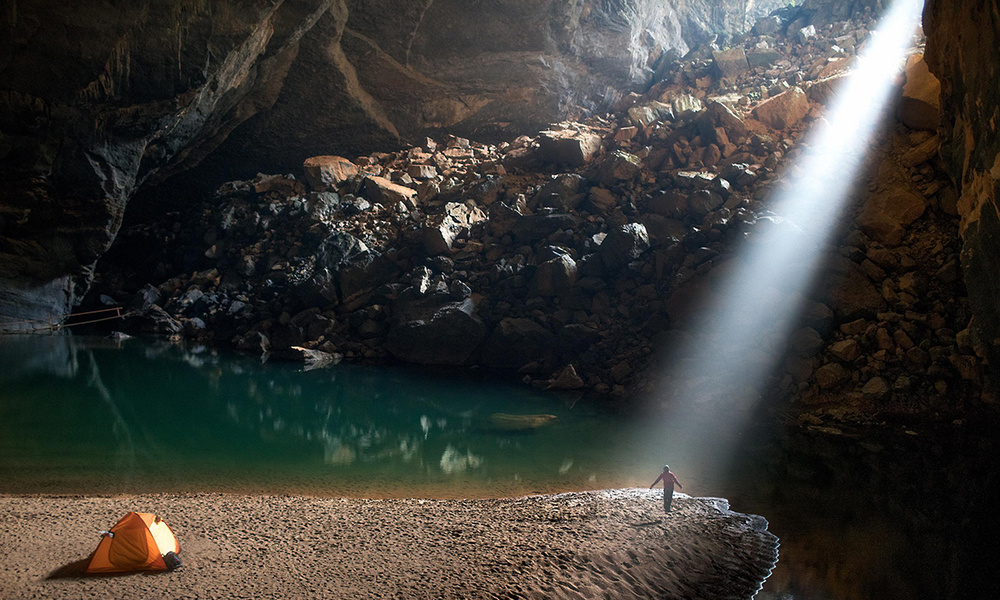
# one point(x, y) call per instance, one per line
point(715, 376)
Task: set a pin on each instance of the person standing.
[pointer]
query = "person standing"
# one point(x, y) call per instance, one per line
point(669, 479)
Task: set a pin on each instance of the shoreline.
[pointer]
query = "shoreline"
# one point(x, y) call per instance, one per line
point(568, 545)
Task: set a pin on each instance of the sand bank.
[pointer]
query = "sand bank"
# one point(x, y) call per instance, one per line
point(604, 544)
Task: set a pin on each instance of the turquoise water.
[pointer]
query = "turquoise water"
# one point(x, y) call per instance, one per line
point(94, 416)
point(890, 515)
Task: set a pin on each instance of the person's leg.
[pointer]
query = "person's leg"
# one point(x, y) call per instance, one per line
point(668, 496)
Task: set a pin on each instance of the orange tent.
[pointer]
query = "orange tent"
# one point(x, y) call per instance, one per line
point(138, 542)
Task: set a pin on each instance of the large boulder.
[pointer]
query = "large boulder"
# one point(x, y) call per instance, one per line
point(434, 329)
point(847, 290)
point(920, 104)
point(784, 110)
point(324, 173)
point(623, 245)
point(516, 342)
point(888, 212)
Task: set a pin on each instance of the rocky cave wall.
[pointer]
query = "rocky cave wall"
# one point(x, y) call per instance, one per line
point(100, 101)
point(963, 50)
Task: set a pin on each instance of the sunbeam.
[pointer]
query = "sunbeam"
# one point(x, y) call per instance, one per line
point(715, 377)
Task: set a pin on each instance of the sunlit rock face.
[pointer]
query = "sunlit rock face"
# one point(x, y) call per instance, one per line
point(963, 50)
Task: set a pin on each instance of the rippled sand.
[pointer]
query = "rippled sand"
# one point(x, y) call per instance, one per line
point(604, 544)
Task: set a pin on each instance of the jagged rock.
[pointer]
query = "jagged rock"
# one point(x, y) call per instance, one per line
point(516, 342)
point(805, 34)
point(762, 57)
point(619, 166)
point(623, 245)
point(434, 329)
point(440, 233)
point(920, 105)
point(846, 350)
point(671, 203)
point(567, 146)
point(326, 173)
point(650, 113)
point(703, 202)
point(361, 276)
point(769, 25)
point(556, 276)
point(422, 171)
point(784, 110)
point(921, 153)
point(323, 206)
point(563, 192)
point(887, 214)
point(532, 228)
point(876, 387)
point(848, 291)
point(830, 376)
point(566, 379)
point(600, 201)
point(387, 193)
point(731, 63)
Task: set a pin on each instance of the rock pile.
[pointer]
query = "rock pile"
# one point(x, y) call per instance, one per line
point(557, 256)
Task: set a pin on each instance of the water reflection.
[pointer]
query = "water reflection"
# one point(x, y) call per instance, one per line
point(155, 415)
point(893, 516)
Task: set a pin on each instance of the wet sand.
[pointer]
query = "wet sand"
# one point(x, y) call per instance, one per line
point(604, 544)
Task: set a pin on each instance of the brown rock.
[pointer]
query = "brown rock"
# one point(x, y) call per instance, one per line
point(846, 350)
point(566, 379)
point(920, 106)
point(327, 172)
point(567, 146)
point(875, 388)
point(387, 193)
point(784, 110)
point(731, 63)
point(886, 214)
point(830, 376)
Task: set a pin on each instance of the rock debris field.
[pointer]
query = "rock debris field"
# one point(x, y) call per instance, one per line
point(603, 544)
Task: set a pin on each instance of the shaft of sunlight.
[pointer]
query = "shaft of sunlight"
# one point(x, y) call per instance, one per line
point(716, 375)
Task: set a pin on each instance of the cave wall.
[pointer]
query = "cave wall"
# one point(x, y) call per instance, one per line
point(99, 100)
point(96, 99)
point(963, 51)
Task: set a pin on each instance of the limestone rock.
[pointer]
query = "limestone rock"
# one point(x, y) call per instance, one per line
point(830, 376)
point(731, 63)
point(567, 146)
point(434, 330)
point(784, 110)
point(325, 173)
point(387, 193)
point(887, 213)
point(920, 105)
point(517, 342)
point(555, 276)
point(623, 245)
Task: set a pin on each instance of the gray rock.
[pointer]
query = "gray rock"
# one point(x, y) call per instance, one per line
point(434, 329)
point(516, 342)
point(623, 245)
point(556, 276)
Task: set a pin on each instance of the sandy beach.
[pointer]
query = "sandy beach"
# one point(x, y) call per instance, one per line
point(603, 544)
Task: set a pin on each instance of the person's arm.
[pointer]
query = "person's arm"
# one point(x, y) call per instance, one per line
point(677, 481)
point(657, 481)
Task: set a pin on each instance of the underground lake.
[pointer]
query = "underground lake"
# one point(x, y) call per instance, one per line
point(892, 514)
